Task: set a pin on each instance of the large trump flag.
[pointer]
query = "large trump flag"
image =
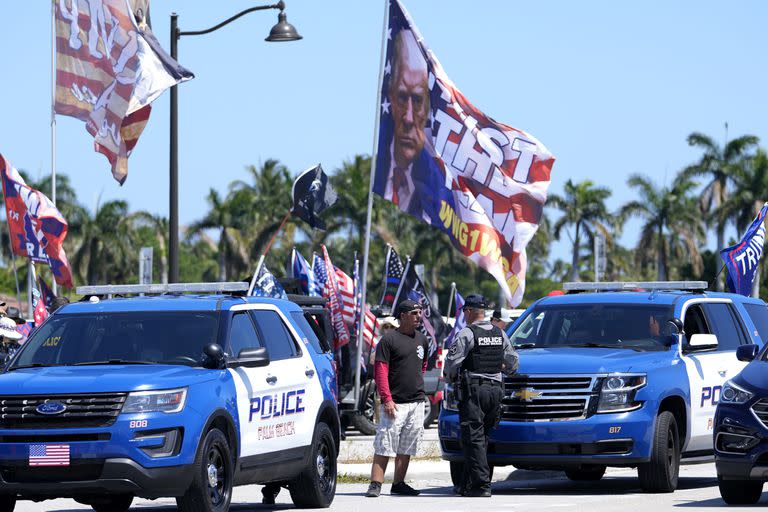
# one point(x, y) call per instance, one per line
point(109, 68)
point(442, 160)
point(743, 259)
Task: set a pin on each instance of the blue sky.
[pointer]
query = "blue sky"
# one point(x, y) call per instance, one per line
point(612, 88)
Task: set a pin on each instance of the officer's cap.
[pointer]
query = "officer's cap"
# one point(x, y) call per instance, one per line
point(476, 301)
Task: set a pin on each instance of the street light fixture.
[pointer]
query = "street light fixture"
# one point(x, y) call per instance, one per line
point(281, 32)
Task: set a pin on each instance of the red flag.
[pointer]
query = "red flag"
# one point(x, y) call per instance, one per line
point(335, 303)
point(109, 68)
point(36, 227)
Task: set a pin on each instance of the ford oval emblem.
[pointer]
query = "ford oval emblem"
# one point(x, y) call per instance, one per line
point(51, 408)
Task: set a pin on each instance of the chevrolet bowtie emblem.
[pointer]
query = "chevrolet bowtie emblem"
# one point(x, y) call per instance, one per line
point(527, 394)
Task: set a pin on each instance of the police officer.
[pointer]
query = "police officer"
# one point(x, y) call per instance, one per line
point(475, 363)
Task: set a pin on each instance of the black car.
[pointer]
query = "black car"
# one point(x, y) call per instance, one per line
point(741, 430)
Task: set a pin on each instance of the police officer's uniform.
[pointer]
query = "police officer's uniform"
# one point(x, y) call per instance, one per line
point(476, 361)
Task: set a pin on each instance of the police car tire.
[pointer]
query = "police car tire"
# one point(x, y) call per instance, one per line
point(740, 492)
point(7, 503)
point(116, 503)
point(660, 474)
point(311, 489)
point(587, 473)
point(197, 498)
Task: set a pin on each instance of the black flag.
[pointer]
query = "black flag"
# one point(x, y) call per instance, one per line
point(312, 193)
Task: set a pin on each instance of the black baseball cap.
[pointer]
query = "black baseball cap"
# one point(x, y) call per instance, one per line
point(406, 307)
point(476, 301)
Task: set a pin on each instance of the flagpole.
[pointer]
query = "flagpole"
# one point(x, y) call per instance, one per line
point(402, 279)
point(15, 274)
point(30, 270)
point(53, 115)
point(367, 242)
point(450, 299)
point(255, 274)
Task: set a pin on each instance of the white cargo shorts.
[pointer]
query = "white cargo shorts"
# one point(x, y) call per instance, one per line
point(402, 434)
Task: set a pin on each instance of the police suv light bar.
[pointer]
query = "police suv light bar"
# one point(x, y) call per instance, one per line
point(114, 289)
point(634, 285)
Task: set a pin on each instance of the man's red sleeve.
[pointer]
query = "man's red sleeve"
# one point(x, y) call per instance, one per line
point(381, 376)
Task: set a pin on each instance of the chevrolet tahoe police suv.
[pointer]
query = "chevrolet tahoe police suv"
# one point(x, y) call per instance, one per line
point(170, 395)
point(616, 378)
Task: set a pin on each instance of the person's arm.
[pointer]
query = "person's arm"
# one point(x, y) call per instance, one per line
point(381, 376)
point(456, 355)
point(511, 359)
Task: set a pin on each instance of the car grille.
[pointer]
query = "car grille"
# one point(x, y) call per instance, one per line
point(760, 408)
point(82, 411)
point(548, 398)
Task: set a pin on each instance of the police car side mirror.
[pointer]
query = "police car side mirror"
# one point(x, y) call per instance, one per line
point(747, 353)
point(702, 342)
point(213, 357)
point(252, 357)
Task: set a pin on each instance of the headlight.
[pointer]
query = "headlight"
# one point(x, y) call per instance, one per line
point(450, 401)
point(618, 391)
point(167, 400)
point(733, 394)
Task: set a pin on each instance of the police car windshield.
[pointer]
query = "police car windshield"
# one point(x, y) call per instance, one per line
point(633, 326)
point(153, 337)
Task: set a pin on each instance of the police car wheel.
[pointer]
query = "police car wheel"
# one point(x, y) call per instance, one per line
point(660, 474)
point(740, 492)
point(586, 473)
point(211, 488)
point(116, 503)
point(7, 503)
point(315, 487)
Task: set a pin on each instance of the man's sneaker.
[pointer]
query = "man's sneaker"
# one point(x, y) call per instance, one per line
point(477, 493)
point(373, 490)
point(403, 489)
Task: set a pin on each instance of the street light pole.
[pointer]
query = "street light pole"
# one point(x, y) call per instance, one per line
point(282, 31)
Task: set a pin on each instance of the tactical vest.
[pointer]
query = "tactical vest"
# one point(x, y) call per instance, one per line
point(487, 354)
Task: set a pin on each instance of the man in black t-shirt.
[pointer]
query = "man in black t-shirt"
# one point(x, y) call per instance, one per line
point(401, 360)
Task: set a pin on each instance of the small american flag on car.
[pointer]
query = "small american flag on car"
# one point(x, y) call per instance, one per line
point(49, 455)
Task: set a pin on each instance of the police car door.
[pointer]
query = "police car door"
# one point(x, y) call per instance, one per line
point(295, 388)
point(708, 369)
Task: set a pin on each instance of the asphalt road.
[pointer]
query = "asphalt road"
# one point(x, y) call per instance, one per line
point(513, 491)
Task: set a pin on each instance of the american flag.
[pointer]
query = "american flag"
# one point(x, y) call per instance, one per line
point(393, 273)
point(319, 270)
point(331, 292)
point(347, 292)
point(370, 322)
point(303, 272)
point(49, 455)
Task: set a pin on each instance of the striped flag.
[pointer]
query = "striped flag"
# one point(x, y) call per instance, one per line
point(49, 455)
point(331, 292)
point(370, 323)
point(109, 68)
point(393, 273)
point(346, 288)
point(319, 271)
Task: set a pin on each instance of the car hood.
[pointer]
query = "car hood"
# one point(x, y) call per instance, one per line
point(100, 379)
point(754, 377)
point(588, 360)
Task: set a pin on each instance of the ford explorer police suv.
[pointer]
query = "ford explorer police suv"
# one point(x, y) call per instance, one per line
point(169, 395)
point(616, 378)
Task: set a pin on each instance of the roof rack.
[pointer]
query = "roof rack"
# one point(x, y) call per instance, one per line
point(171, 288)
point(629, 286)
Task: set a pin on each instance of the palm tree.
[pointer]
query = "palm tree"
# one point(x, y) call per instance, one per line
point(222, 217)
point(105, 250)
point(718, 164)
point(671, 222)
point(260, 206)
point(583, 207)
point(749, 194)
